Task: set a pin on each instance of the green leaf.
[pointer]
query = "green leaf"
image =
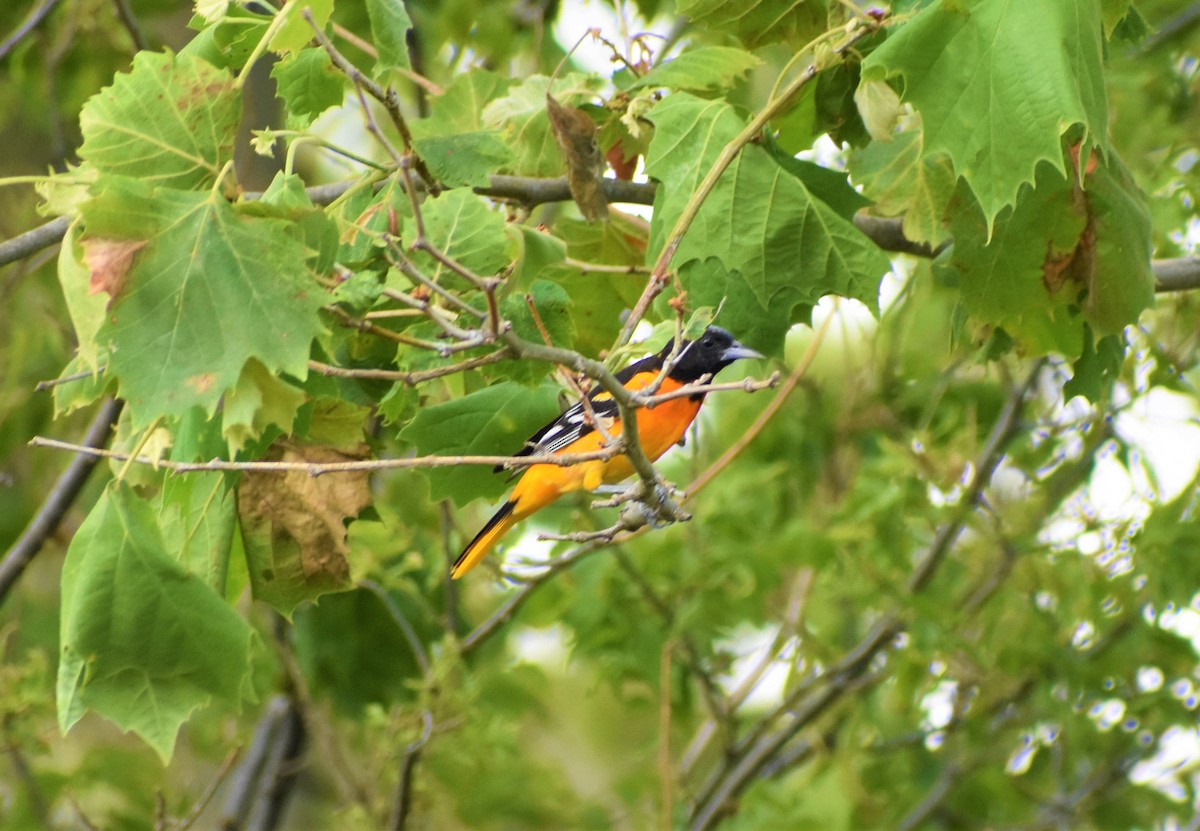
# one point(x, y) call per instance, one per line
point(1063, 256)
point(309, 84)
point(1120, 281)
point(1097, 367)
point(211, 289)
point(521, 117)
point(230, 42)
point(495, 420)
point(905, 182)
point(1003, 277)
point(144, 642)
point(997, 84)
point(295, 32)
point(553, 305)
point(703, 68)
point(196, 515)
point(286, 198)
point(85, 308)
point(172, 121)
point(830, 186)
point(783, 247)
point(466, 158)
point(461, 226)
point(389, 31)
point(759, 21)
point(460, 109)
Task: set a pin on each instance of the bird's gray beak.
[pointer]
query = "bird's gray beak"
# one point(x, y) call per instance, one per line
point(735, 352)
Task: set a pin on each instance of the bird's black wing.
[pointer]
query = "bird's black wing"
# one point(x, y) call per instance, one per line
point(575, 422)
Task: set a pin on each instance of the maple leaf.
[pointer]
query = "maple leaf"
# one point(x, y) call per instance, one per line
point(293, 524)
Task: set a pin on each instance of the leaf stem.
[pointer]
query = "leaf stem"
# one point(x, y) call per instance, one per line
point(658, 275)
point(260, 48)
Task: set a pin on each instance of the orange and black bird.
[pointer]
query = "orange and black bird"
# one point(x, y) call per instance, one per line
point(575, 431)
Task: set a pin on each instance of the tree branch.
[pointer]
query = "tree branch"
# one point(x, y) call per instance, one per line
point(812, 697)
point(60, 498)
point(36, 15)
point(1170, 275)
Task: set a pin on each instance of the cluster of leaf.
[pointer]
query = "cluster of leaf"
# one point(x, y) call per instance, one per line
point(323, 326)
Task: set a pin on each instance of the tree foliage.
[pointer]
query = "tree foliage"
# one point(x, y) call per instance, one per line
point(336, 262)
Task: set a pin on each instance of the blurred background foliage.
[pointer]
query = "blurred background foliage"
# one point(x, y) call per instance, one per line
point(1044, 677)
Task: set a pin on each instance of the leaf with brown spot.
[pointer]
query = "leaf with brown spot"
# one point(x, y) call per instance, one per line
point(576, 136)
point(293, 525)
point(108, 261)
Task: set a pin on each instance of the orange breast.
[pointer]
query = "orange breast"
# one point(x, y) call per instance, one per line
point(658, 429)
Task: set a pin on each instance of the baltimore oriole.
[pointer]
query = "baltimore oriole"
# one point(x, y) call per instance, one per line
point(575, 431)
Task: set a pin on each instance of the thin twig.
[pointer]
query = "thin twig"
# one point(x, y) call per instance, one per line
point(509, 607)
point(687, 391)
point(411, 378)
point(210, 790)
point(768, 413)
point(32, 20)
point(125, 15)
point(387, 97)
point(323, 468)
point(1006, 428)
point(402, 805)
point(406, 629)
point(813, 696)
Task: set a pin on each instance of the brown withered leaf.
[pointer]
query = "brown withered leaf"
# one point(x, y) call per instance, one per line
point(293, 524)
point(576, 136)
point(1078, 264)
point(109, 261)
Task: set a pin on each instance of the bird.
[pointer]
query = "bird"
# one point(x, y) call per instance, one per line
point(575, 431)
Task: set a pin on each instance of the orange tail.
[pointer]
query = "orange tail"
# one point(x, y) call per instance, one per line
point(496, 528)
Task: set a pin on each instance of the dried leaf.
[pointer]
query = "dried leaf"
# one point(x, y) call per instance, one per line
point(576, 135)
point(109, 261)
point(294, 524)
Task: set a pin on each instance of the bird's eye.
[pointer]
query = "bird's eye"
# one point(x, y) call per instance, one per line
point(706, 342)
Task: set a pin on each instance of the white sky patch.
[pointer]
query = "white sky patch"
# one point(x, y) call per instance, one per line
point(752, 648)
point(547, 647)
point(1177, 756)
point(1165, 427)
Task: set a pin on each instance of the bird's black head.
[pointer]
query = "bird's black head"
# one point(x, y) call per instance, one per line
point(706, 355)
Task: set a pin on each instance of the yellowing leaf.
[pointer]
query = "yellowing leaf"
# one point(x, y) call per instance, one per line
point(256, 402)
point(171, 120)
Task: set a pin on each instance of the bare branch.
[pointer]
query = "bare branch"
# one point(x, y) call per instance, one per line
point(32, 20)
point(323, 468)
point(33, 241)
point(387, 97)
point(403, 802)
point(406, 629)
point(411, 378)
point(60, 498)
point(812, 697)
